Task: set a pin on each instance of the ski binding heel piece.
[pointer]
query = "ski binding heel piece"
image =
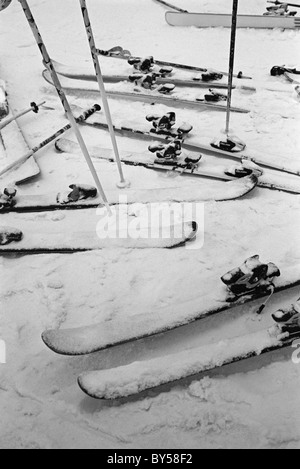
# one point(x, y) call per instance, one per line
point(232, 144)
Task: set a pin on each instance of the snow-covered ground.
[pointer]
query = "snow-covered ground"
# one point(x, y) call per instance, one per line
point(248, 405)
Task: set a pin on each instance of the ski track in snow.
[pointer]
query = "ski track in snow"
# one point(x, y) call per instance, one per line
point(248, 405)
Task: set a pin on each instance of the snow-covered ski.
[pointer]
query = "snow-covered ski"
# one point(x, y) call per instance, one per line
point(229, 190)
point(207, 169)
point(66, 235)
point(14, 144)
point(190, 144)
point(77, 86)
point(132, 379)
point(118, 52)
point(97, 337)
point(85, 74)
point(209, 20)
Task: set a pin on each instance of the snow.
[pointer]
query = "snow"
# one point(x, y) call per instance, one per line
point(248, 405)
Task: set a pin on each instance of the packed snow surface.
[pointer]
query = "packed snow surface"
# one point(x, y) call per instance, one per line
point(253, 404)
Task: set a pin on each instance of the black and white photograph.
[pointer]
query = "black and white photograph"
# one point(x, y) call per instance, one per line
point(149, 227)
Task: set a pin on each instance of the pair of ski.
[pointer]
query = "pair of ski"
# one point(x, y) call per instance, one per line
point(272, 176)
point(60, 237)
point(60, 234)
point(86, 74)
point(136, 377)
point(83, 86)
point(118, 52)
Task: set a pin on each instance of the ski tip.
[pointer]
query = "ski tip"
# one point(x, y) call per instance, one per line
point(82, 386)
point(47, 337)
point(51, 340)
point(85, 382)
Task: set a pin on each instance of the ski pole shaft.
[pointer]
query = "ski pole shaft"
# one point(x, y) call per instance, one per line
point(48, 63)
point(276, 2)
point(173, 7)
point(231, 61)
point(46, 142)
point(99, 76)
point(34, 108)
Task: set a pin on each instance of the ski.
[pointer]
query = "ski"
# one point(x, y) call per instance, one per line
point(132, 379)
point(292, 78)
point(118, 52)
point(56, 234)
point(85, 74)
point(101, 336)
point(203, 168)
point(14, 143)
point(76, 86)
point(190, 144)
point(229, 190)
point(208, 20)
point(169, 5)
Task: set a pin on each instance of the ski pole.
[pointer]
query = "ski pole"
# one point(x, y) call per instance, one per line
point(4, 4)
point(119, 53)
point(48, 63)
point(33, 107)
point(173, 7)
point(276, 2)
point(231, 61)
point(123, 183)
point(46, 142)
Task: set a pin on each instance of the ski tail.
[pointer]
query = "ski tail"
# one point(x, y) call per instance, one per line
point(137, 377)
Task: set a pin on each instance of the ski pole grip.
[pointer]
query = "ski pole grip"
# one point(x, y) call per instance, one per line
point(89, 113)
